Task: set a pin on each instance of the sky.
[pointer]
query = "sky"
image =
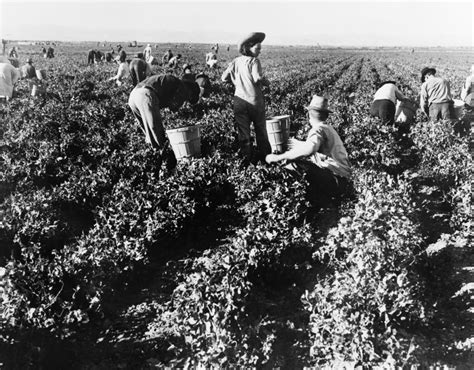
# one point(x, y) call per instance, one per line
point(285, 22)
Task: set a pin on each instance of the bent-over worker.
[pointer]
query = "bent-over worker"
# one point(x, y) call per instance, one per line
point(146, 100)
point(385, 101)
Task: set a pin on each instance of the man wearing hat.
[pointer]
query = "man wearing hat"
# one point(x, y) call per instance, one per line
point(245, 72)
point(9, 76)
point(385, 101)
point(322, 156)
point(435, 95)
point(28, 70)
point(146, 100)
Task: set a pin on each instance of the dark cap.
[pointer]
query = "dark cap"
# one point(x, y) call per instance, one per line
point(425, 71)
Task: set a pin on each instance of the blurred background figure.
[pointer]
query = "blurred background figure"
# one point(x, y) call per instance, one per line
point(28, 71)
point(174, 61)
point(188, 73)
point(50, 52)
point(44, 52)
point(139, 69)
point(147, 52)
point(166, 57)
point(123, 71)
point(467, 91)
point(211, 59)
point(13, 53)
point(91, 56)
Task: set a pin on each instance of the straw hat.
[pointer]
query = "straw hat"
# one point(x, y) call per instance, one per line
point(251, 39)
point(425, 71)
point(319, 103)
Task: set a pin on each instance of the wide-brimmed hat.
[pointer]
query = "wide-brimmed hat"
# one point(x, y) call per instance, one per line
point(29, 60)
point(319, 103)
point(186, 66)
point(251, 39)
point(425, 71)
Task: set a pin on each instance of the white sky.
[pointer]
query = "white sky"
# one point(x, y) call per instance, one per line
point(356, 23)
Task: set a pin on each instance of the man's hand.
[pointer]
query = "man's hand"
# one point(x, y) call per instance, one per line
point(272, 158)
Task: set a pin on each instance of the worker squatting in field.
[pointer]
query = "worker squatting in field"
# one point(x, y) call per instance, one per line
point(322, 157)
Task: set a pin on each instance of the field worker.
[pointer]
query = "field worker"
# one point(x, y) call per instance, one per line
point(204, 84)
point(147, 52)
point(45, 54)
point(435, 95)
point(385, 102)
point(166, 57)
point(245, 72)
point(468, 89)
point(13, 53)
point(99, 56)
point(188, 73)
point(91, 56)
point(211, 59)
point(50, 52)
point(9, 76)
point(139, 69)
point(173, 62)
point(109, 57)
point(322, 156)
point(28, 70)
point(146, 100)
point(123, 71)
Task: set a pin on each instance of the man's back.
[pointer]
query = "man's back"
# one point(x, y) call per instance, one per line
point(139, 70)
point(436, 90)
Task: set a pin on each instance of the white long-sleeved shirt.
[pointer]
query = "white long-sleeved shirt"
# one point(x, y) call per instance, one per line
point(389, 92)
point(9, 75)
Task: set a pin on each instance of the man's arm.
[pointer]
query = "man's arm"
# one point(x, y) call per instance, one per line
point(227, 75)
point(303, 149)
point(424, 99)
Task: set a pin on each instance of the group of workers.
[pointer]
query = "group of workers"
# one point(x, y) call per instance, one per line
point(322, 156)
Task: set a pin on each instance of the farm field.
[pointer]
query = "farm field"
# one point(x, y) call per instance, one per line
point(106, 264)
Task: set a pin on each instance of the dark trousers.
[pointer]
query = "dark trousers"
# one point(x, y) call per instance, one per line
point(440, 111)
point(383, 109)
point(246, 113)
point(137, 71)
point(323, 183)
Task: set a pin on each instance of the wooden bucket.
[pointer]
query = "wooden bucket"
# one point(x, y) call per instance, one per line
point(185, 142)
point(278, 132)
point(37, 90)
point(405, 112)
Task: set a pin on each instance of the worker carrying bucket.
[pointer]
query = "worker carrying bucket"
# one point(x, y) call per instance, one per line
point(146, 100)
point(322, 157)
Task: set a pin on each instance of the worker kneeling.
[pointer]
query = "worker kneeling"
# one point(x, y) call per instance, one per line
point(322, 157)
point(146, 100)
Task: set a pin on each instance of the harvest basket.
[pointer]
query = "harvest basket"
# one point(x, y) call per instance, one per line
point(278, 131)
point(185, 142)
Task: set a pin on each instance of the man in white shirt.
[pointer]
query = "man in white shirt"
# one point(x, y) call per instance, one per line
point(385, 101)
point(9, 76)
